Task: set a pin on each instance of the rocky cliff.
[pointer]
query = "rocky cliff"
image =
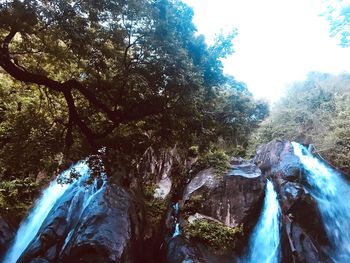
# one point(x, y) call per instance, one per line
point(167, 214)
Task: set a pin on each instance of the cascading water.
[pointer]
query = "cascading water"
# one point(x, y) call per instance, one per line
point(330, 191)
point(264, 243)
point(31, 225)
point(177, 225)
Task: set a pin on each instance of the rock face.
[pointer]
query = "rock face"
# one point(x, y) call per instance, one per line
point(181, 250)
point(236, 198)
point(102, 233)
point(156, 168)
point(303, 235)
point(6, 235)
point(232, 200)
point(112, 223)
point(276, 159)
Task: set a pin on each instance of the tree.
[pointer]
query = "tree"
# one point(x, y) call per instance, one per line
point(317, 115)
point(111, 62)
point(80, 75)
point(123, 74)
point(338, 16)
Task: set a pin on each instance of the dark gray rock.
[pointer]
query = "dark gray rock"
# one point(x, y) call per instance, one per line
point(232, 199)
point(229, 198)
point(290, 194)
point(277, 158)
point(180, 250)
point(6, 235)
point(245, 169)
point(103, 233)
point(301, 247)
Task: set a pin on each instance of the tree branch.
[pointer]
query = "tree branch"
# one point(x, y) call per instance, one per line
point(75, 119)
point(116, 116)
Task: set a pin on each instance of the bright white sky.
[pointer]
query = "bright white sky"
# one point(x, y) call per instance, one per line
point(278, 41)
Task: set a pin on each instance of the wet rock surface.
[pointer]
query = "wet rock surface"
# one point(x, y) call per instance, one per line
point(6, 235)
point(102, 233)
point(229, 199)
point(116, 225)
point(278, 160)
point(301, 247)
point(303, 234)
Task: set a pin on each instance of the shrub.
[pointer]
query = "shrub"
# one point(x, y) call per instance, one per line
point(216, 159)
point(155, 207)
point(216, 235)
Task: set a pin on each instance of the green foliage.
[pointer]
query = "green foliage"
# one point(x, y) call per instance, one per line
point(238, 151)
point(338, 16)
point(216, 159)
point(155, 207)
point(216, 235)
point(121, 74)
point(317, 114)
point(30, 138)
point(141, 58)
point(149, 76)
point(16, 198)
point(193, 151)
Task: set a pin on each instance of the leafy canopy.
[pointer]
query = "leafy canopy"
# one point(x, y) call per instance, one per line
point(317, 114)
point(121, 74)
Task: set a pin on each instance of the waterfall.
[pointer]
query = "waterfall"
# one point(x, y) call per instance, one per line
point(31, 225)
point(177, 230)
point(330, 191)
point(177, 225)
point(264, 242)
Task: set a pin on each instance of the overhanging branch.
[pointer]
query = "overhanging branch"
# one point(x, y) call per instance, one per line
point(116, 116)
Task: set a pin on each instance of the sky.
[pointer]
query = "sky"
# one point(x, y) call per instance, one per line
point(278, 41)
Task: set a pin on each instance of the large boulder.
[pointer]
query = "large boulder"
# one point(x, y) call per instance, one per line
point(100, 231)
point(277, 159)
point(103, 234)
point(224, 204)
point(229, 198)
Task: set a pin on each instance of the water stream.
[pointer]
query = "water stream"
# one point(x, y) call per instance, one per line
point(31, 225)
point(331, 192)
point(265, 240)
point(177, 230)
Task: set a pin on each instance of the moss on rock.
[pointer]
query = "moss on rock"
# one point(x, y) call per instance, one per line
point(217, 159)
point(216, 235)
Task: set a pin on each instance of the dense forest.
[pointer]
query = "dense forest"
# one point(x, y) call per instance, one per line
point(77, 76)
point(134, 89)
point(317, 114)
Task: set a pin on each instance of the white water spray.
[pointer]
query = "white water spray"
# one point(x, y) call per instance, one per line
point(31, 225)
point(331, 192)
point(265, 240)
point(177, 230)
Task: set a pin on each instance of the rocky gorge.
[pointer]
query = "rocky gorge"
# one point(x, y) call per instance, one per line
point(168, 212)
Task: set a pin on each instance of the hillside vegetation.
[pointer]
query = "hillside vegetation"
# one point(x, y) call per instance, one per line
point(315, 111)
point(77, 76)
